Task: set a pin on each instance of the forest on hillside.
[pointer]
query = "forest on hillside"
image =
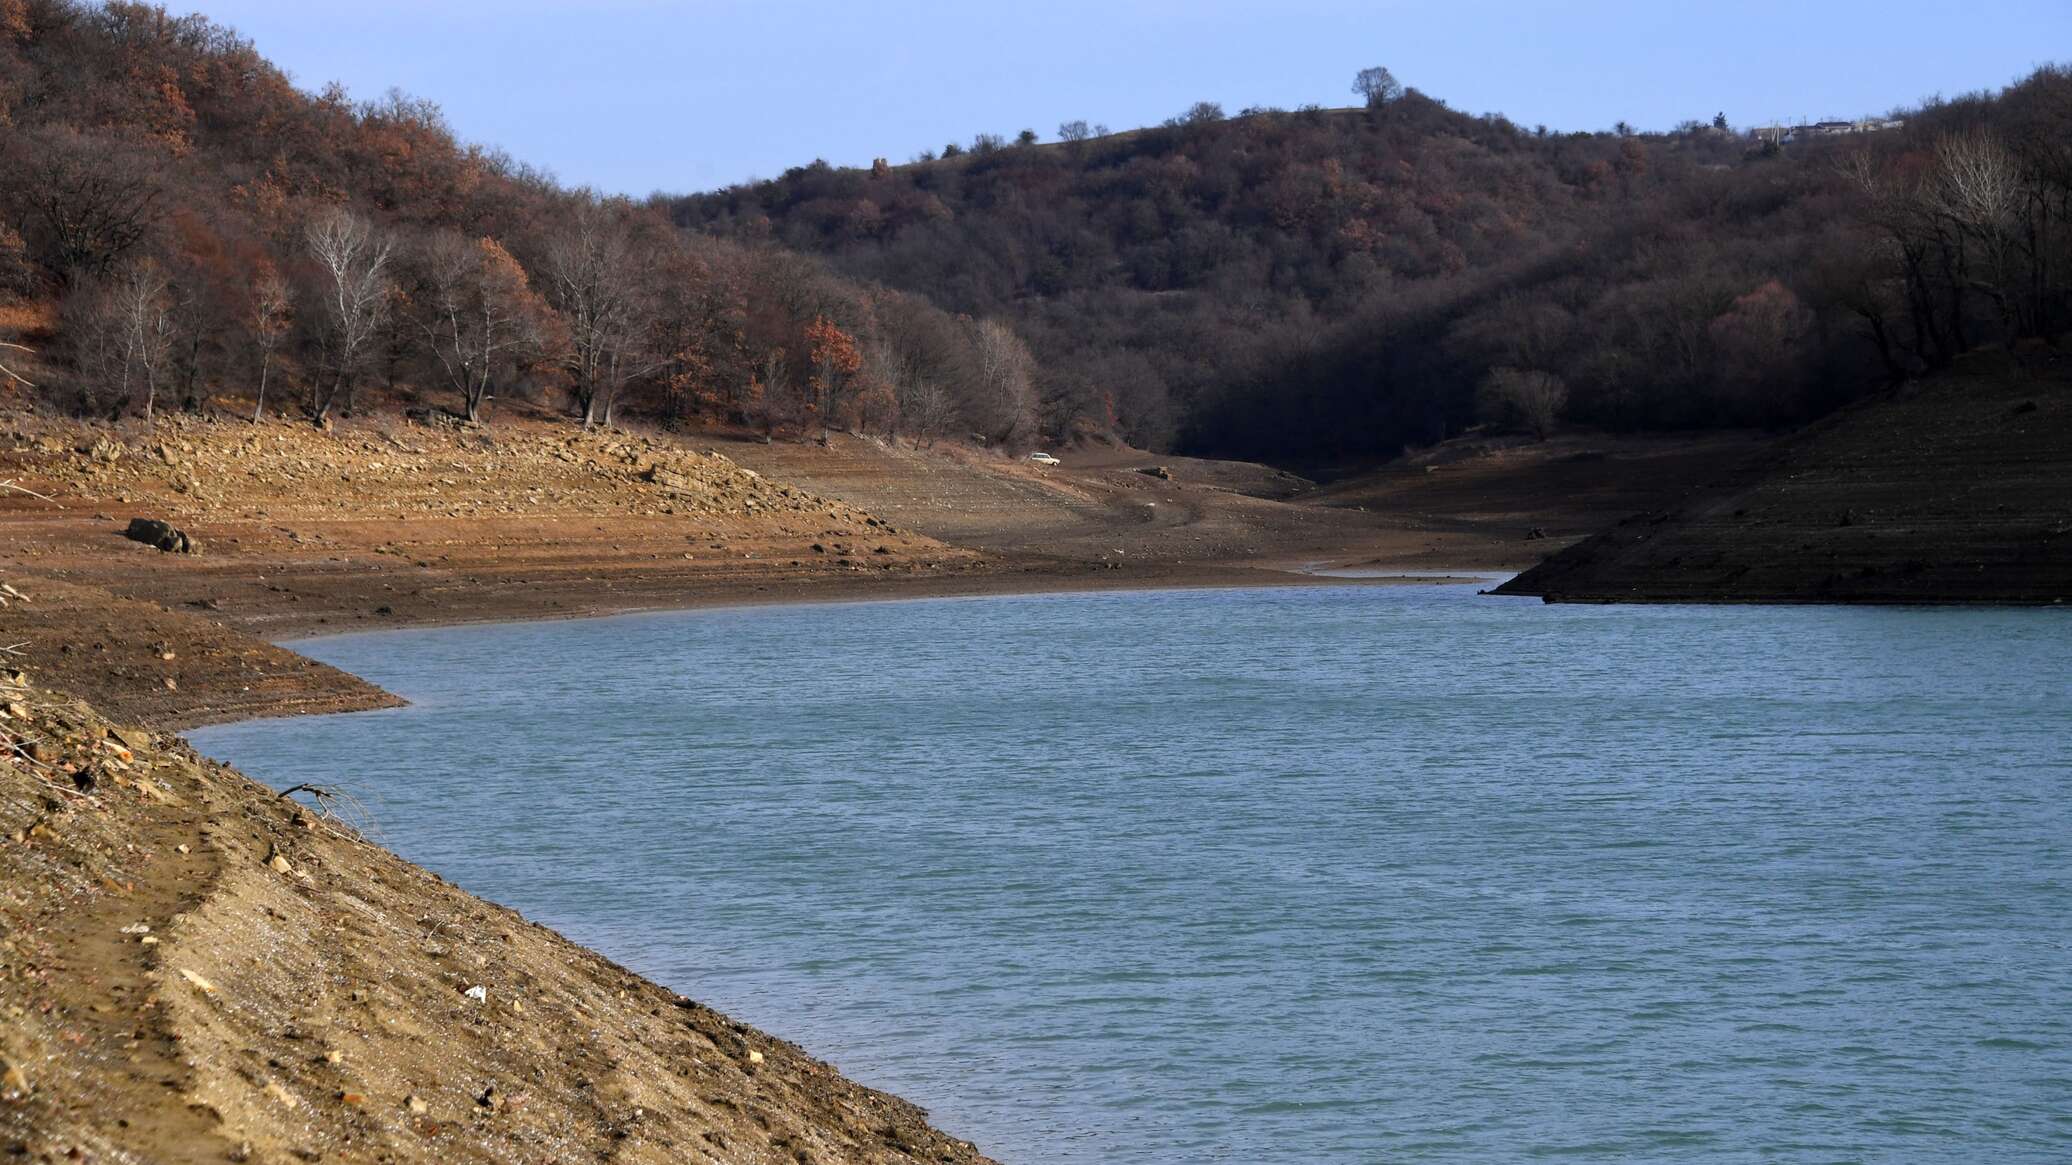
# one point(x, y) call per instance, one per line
point(1322, 284)
point(182, 227)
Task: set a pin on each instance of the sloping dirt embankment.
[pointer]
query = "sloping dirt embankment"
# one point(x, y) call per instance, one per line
point(194, 969)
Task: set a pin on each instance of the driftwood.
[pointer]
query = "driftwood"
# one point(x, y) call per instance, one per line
point(340, 812)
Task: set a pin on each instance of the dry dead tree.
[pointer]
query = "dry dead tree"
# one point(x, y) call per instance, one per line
point(341, 812)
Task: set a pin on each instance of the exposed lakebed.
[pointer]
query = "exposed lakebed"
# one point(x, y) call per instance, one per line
point(1328, 874)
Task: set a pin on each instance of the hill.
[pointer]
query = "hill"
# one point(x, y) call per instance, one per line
point(1327, 285)
point(1956, 489)
point(181, 228)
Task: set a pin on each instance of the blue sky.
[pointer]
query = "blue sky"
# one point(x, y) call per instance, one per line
point(640, 95)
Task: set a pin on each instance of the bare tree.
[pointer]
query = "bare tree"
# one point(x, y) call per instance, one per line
point(927, 409)
point(1377, 86)
point(477, 310)
point(355, 260)
point(1981, 189)
point(90, 202)
point(1006, 385)
point(777, 401)
point(126, 333)
point(1074, 131)
point(1525, 398)
point(273, 311)
point(593, 280)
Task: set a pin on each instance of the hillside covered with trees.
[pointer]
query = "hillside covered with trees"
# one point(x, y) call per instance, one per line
point(180, 224)
point(1330, 284)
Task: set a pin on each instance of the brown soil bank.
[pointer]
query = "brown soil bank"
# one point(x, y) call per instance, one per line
point(1958, 490)
point(387, 522)
point(381, 523)
point(193, 969)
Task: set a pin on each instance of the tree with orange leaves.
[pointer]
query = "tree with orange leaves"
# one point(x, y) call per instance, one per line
point(478, 311)
point(835, 361)
point(14, 19)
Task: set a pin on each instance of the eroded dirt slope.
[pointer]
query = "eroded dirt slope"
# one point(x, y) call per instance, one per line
point(193, 969)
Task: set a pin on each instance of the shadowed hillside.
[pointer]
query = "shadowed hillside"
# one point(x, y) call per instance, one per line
point(1958, 489)
point(1320, 285)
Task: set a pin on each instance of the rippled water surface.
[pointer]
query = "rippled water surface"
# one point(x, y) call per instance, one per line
point(1341, 874)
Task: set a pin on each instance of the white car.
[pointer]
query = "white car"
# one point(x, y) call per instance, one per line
point(1043, 459)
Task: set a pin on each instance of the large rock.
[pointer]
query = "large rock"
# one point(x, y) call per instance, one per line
point(152, 532)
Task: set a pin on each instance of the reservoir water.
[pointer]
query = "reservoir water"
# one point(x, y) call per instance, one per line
point(1333, 874)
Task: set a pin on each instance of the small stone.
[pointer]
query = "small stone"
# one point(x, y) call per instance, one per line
point(755, 1057)
point(200, 984)
point(334, 1056)
point(180, 849)
point(352, 1098)
point(14, 1082)
point(478, 993)
point(279, 862)
point(416, 1104)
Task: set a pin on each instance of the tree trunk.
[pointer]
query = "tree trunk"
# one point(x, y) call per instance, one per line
point(259, 407)
point(193, 371)
point(323, 411)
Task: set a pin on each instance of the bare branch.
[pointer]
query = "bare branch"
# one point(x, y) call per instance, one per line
point(22, 489)
point(9, 372)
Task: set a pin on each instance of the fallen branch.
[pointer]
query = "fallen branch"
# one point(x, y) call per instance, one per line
point(22, 489)
point(341, 812)
point(11, 372)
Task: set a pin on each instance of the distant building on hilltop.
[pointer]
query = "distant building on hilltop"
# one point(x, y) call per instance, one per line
point(1784, 135)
